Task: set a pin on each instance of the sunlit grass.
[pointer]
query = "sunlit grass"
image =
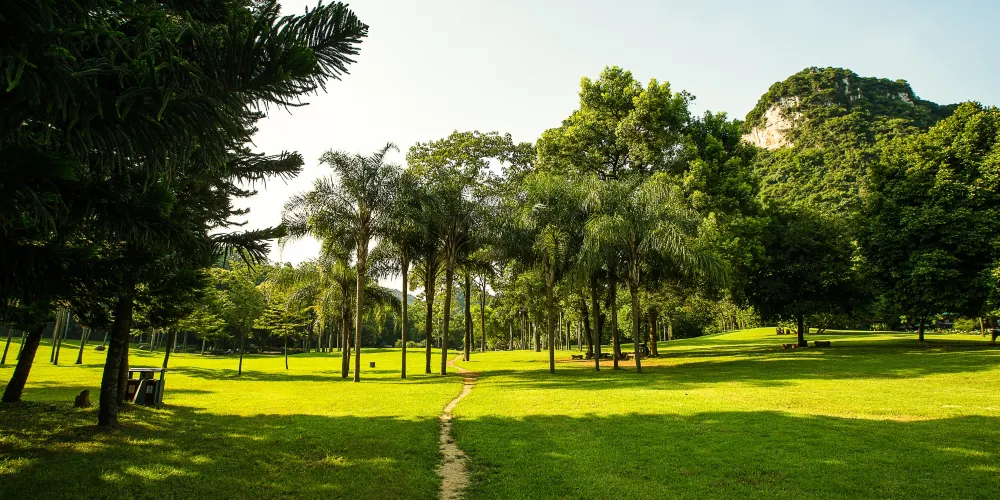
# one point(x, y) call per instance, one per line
point(874, 415)
point(268, 434)
point(733, 415)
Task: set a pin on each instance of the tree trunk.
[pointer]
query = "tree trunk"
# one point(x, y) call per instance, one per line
point(170, 347)
point(536, 337)
point(286, 352)
point(654, 350)
point(84, 334)
point(920, 329)
point(123, 364)
point(802, 332)
point(429, 289)
point(482, 314)
point(403, 329)
point(185, 341)
point(982, 327)
point(243, 337)
point(203, 346)
point(20, 376)
point(62, 335)
point(467, 348)
point(449, 277)
point(20, 343)
point(56, 323)
point(6, 347)
point(550, 312)
point(359, 318)
point(345, 342)
point(595, 314)
point(636, 326)
point(613, 300)
point(510, 345)
point(107, 415)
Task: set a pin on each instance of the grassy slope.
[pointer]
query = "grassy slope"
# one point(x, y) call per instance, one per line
point(876, 415)
point(270, 433)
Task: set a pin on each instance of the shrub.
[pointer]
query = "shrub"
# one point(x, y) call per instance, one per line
point(966, 325)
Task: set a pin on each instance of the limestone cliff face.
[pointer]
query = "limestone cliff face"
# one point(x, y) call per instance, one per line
point(778, 120)
point(816, 96)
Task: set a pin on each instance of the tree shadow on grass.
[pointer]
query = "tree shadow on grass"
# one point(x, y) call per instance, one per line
point(730, 455)
point(183, 452)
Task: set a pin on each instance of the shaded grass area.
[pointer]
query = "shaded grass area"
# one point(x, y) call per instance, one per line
point(305, 433)
point(874, 415)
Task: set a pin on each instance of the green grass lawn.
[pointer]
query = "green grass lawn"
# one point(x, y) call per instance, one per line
point(875, 415)
point(733, 415)
point(267, 434)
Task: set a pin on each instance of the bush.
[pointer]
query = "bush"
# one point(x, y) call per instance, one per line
point(409, 343)
point(966, 325)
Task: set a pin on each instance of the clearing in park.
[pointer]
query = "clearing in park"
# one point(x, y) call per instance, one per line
point(723, 416)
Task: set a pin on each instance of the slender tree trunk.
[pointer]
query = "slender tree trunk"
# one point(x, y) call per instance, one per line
point(920, 331)
point(359, 318)
point(286, 352)
point(20, 376)
point(585, 319)
point(171, 340)
point(536, 336)
point(107, 415)
point(203, 346)
point(613, 300)
point(510, 345)
point(403, 330)
point(62, 335)
point(6, 347)
point(595, 314)
point(654, 350)
point(449, 276)
point(482, 314)
point(243, 336)
point(185, 341)
point(982, 328)
point(429, 288)
point(56, 323)
point(550, 310)
point(345, 342)
point(84, 334)
point(802, 331)
point(467, 348)
point(636, 324)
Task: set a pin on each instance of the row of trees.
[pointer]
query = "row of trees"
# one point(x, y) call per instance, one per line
point(123, 143)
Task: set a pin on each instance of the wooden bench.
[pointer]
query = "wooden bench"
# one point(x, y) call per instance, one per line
point(821, 343)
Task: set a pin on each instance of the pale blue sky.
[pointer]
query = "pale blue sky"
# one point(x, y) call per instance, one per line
point(430, 67)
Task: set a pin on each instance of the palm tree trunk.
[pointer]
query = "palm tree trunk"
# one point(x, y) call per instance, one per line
point(20, 376)
point(654, 350)
point(429, 318)
point(405, 261)
point(633, 290)
point(482, 314)
point(595, 314)
point(449, 277)
point(107, 414)
point(6, 347)
point(613, 301)
point(345, 342)
point(360, 306)
point(467, 348)
point(550, 309)
point(83, 341)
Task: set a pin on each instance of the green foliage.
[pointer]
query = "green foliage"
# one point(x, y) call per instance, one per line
point(932, 215)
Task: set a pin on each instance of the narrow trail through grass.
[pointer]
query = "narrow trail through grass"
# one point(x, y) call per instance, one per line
point(452, 470)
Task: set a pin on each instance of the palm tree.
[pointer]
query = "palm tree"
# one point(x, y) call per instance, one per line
point(646, 220)
point(356, 204)
point(552, 215)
